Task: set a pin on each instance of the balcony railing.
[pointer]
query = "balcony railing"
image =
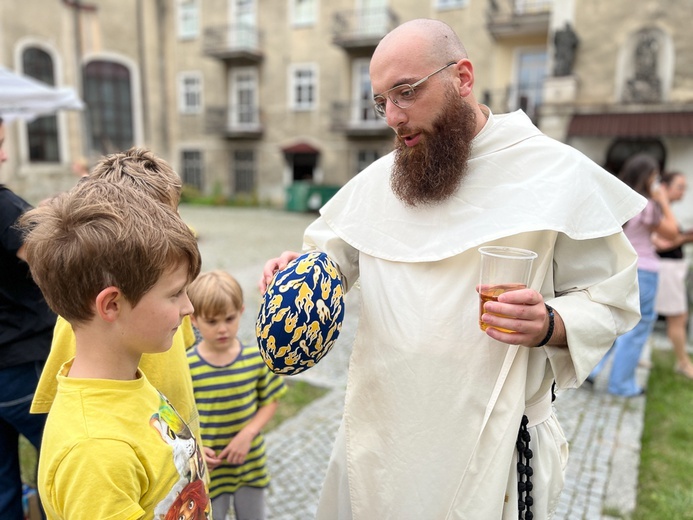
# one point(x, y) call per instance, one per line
point(506, 18)
point(234, 42)
point(362, 29)
point(238, 122)
point(358, 119)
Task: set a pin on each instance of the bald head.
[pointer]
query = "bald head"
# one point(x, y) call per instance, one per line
point(430, 39)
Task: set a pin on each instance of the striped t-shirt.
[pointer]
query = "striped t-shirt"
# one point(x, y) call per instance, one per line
point(227, 398)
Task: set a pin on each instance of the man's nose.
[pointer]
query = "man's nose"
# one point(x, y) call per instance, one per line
point(394, 115)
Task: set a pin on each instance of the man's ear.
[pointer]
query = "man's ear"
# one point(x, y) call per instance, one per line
point(109, 303)
point(465, 73)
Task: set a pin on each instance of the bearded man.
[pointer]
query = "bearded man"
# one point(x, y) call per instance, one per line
point(434, 404)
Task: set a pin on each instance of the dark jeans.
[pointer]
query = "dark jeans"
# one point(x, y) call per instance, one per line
point(17, 386)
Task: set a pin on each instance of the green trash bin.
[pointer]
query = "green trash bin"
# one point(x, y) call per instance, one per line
point(319, 194)
point(297, 196)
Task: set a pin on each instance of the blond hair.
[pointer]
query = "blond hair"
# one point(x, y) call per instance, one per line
point(213, 293)
point(101, 234)
point(142, 169)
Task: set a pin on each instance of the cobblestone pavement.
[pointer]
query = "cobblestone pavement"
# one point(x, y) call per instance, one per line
point(604, 431)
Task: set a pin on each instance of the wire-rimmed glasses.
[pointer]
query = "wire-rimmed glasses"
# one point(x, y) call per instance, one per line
point(403, 96)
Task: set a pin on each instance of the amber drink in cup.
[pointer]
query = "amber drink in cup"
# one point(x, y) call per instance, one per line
point(503, 269)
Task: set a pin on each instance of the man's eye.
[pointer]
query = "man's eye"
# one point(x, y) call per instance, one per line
point(406, 93)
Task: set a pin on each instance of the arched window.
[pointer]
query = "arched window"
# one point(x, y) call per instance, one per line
point(108, 96)
point(42, 133)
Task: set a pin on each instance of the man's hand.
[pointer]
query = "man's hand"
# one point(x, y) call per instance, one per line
point(274, 265)
point(522, 311)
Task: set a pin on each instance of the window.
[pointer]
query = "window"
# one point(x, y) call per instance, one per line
point(363, 104)
point(304, 12)
point(192, 169)
point(364, 158)
point(190, 93)
point(303, 88)
point(244, 171)
point(450, 4)
point(108, 97)
point(188, 19)
point(532, 6)
point(243, 106)
point(531, 72)
point(42, 133)
point(372, 18)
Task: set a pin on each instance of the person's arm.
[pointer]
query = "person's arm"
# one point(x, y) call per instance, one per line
point(594, 294)
point(667, 227)
point(663, 244)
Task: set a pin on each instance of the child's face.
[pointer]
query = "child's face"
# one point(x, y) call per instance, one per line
point(151, 324)
point(219, 332)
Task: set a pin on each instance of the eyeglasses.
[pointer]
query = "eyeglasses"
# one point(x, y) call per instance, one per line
point(403, 96)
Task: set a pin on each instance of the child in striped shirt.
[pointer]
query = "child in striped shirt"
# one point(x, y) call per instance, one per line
point(236, 395)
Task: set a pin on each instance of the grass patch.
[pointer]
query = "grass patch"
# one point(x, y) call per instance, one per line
point(299, 394)
point(28, 460)
point(666, 464)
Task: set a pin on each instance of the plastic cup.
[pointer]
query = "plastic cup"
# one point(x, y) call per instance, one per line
point(503, 269)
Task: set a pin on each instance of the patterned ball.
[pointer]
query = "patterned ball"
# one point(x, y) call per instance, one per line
point(301, 314)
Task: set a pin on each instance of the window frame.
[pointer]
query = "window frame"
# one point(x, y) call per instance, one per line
point(197, 169)
point(298, 85)
point(303, 16)
point(186, 92)
point(187, 19)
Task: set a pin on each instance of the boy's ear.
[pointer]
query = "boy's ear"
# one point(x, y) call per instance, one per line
point(109, 303)
point(193, 320)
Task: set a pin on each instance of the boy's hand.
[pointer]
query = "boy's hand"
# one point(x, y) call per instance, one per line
point(237, 450)
point(211, 458)
point(274, 265)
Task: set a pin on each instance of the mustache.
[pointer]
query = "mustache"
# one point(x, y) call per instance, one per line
point(405, 130)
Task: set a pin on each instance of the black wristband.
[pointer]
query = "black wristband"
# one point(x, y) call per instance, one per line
point(549, 332)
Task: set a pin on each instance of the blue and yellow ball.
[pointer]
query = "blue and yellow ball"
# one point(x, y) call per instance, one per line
point(301, 314)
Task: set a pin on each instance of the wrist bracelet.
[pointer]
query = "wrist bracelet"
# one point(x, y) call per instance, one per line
point(549, 332)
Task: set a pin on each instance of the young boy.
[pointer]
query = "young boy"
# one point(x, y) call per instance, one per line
point(115, 264)
point(168, 372)
point(236, 396)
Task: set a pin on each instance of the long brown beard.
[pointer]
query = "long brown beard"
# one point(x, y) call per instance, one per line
point(432, 171)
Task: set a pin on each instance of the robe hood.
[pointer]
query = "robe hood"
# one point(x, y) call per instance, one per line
point(508, 190)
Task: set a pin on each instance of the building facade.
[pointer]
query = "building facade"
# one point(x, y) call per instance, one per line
point(246, 98)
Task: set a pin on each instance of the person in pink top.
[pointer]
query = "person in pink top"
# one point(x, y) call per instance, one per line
point(640, 172)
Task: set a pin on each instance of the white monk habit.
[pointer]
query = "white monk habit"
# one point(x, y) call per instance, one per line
point(433, 404)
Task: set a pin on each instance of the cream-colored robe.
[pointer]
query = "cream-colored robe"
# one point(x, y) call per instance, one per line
point(433, 404)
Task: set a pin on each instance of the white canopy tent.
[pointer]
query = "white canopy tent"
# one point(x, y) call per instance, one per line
point(22, 97)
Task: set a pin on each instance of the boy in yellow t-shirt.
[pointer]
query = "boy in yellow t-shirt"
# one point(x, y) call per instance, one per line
point(116, 265)
point(144, 171)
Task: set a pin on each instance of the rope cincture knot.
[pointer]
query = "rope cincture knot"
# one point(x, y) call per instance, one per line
point(525, 472)
point(524, 469)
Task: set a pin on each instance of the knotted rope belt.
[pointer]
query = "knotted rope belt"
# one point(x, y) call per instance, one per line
point(539, 412)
